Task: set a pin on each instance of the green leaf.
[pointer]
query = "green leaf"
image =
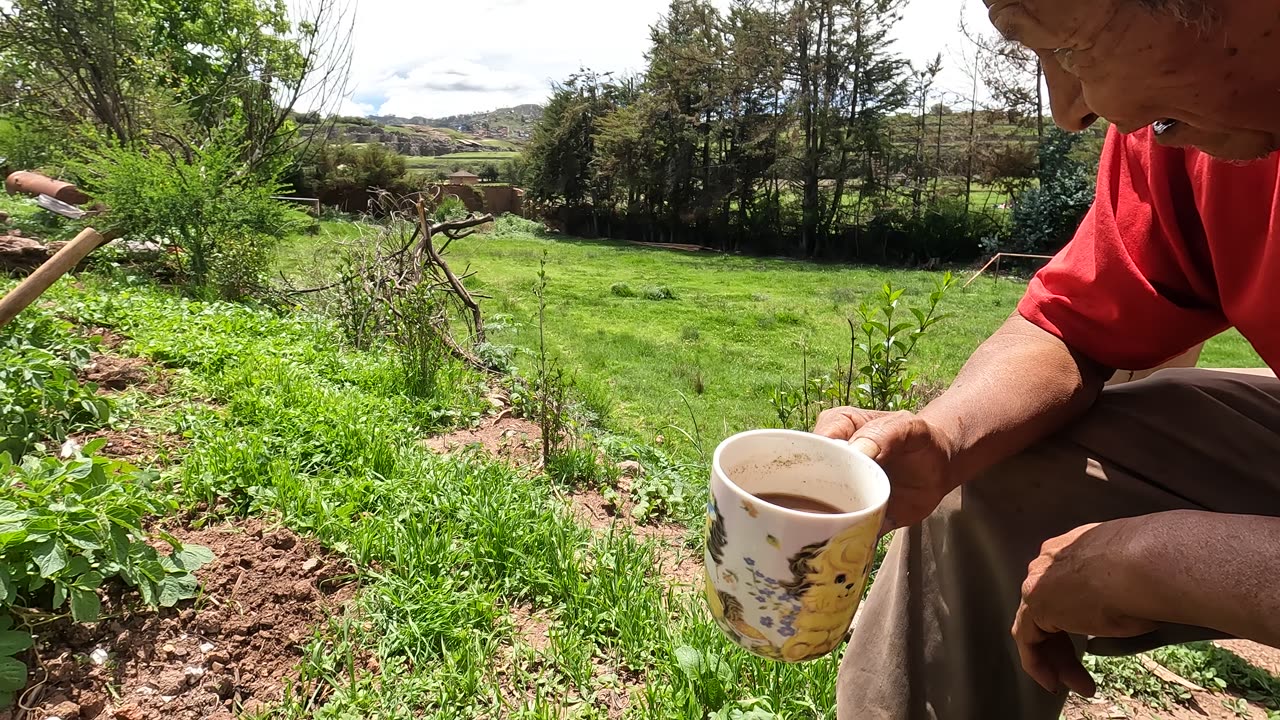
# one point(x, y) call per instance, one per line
point(193, 557)
point(84, 538)
point(90, 580)
point(50, 557)
point(174, 542)
point(85, 605)
point(59, 595)
point(689, 660)
point(7, 591)
point(176, 588)
point(13, 675)
point(92, 447)
point(13, 642)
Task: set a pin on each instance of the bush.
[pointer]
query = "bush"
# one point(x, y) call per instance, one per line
point(622, 290)
point(40, 398)
point(659, 292)
point(219, 218)
point(1045, 218)
point(509, 224)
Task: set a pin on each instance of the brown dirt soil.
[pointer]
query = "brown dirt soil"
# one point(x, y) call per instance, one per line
point(116, 373)
point(1204, 706)
point(136, 445)
point(263, 596)
point(109, 338)
point(1259, 656)
point(511, 439)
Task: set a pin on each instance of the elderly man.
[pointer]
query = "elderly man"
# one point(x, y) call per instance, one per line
point(1119, 520)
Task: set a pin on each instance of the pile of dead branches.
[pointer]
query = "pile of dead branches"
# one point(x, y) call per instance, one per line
point(396, 279)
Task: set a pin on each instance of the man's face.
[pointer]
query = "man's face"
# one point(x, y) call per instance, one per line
point(1218, 80)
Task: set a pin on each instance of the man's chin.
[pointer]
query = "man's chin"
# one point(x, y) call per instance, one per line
point(1240, 148)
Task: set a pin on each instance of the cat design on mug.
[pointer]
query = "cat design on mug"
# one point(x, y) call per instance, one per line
point(825, 577)
point(717, 538)
point(728, 612)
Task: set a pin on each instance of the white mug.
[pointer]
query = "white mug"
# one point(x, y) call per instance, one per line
point(785, 574)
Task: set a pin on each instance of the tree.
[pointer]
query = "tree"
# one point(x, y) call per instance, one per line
point(846, 81)
point(1012, 75)
point(176, 72)
point(490, 172)
point(1045, 217)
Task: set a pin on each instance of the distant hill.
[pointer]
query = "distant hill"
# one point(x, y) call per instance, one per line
point(513, 123)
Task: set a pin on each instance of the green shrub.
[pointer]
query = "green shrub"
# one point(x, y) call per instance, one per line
point(1045, 218)
point(658, 292)
point(40, 397)
point(220, 219)
point(622, 290)
point(509, 224)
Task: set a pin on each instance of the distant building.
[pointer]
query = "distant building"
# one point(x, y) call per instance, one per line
point(462, 177)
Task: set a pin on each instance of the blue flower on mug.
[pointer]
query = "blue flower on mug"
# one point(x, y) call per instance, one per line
point(766, 622)
point(750, 562)
point(787, 631)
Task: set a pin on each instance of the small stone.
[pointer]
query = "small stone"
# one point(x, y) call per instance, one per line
point(217, 667)
point(127, 712)
point(172, 683)
point(217, 657)
point(631, 469)
point(91, 704)
point(281, 540)
point(311, 565)
point(206, 647)
point(194, 671)
point(168, 649)
point(303, 590)
point(65, 710)
point(99, 656)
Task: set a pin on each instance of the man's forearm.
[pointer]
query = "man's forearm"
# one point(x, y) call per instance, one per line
point(1204, 569)
point(1021, 385)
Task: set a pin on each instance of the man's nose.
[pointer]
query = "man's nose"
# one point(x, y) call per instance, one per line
point(1066, 98)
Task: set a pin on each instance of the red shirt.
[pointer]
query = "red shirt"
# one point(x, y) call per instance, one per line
point(1177, 248)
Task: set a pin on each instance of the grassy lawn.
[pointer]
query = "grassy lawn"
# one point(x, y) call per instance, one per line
point(420, 161)
point(734, 329)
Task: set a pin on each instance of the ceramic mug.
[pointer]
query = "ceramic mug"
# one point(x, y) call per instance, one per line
point(781, 582)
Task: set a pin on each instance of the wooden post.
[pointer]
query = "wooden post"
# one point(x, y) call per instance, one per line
point(19, 298)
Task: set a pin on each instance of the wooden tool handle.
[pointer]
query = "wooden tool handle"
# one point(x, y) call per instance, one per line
point(47, 274)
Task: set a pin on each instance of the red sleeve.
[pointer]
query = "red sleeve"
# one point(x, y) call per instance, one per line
point(1134, 288)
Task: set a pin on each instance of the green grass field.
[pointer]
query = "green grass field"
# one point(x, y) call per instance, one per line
point(733, 332)
point(472, 161)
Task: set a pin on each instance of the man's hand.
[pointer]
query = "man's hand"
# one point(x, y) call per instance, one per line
point(914, 454)
point(1076, 586)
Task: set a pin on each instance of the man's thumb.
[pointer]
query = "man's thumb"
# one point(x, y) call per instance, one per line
point(867, 446)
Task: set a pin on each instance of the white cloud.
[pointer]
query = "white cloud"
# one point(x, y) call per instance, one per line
point(435, 59)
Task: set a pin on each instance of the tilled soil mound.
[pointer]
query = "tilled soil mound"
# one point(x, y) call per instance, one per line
point(264, 595)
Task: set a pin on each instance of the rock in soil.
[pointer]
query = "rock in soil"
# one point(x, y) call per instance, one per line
point(189, 662)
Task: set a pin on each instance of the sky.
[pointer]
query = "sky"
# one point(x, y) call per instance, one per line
point(435, 58)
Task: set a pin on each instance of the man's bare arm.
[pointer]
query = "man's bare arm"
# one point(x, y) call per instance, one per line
point(1021, 385)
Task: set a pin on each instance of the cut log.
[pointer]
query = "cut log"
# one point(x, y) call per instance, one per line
point(30, 183)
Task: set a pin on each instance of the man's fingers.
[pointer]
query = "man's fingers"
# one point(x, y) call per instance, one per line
point(1050, 658)
point(867, 447)
point(1070, 670)
point(843, 422)
point(891, 434)
point(1030, 639)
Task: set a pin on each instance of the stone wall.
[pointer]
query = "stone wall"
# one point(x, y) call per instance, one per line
point(496, 199)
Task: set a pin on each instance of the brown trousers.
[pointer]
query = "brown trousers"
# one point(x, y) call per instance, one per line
point(933, 643)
